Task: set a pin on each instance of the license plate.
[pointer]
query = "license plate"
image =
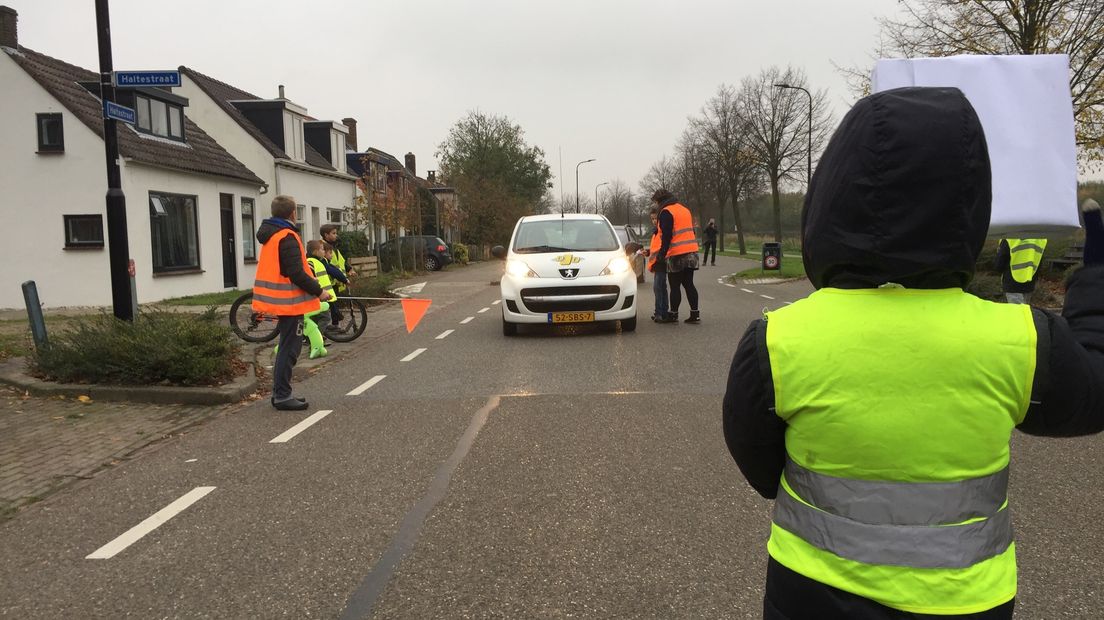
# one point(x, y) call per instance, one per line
point(570, 317)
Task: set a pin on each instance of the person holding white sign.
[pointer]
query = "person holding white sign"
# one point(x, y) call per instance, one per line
point(877, 412)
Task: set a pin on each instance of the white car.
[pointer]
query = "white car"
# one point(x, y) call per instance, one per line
point(568, 268)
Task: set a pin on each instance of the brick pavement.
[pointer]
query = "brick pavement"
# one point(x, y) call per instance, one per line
point(48, 443)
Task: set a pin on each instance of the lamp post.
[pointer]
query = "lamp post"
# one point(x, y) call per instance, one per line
point(809, 163)
point(596, 196)
point(577, 182)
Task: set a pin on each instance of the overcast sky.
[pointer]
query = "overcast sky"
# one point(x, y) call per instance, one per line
point(610, 79)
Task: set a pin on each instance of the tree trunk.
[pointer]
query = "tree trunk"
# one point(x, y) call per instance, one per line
point(735, 198)
point(776, 203)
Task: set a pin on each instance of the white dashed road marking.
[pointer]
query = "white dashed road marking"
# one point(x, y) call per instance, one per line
point(445, 334)
point(483, 310)
point(302, 426)
point(496, 302)
point(747, 290)
point(766, 296)
point(367, 384)
point(416, 353)
point(467, 320)
point(145, 527)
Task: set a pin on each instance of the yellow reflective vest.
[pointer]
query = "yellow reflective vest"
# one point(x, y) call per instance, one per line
point(1025, 257)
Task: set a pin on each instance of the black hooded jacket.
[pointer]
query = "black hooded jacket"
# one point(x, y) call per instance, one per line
point(902, 195)
point(291, 255)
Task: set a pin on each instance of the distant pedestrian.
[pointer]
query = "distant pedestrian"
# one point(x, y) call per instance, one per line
point(285, 288)
point(709, 243)
point(679, 247)
point(1019, 260)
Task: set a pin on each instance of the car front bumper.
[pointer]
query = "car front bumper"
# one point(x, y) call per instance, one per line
point(533, 300)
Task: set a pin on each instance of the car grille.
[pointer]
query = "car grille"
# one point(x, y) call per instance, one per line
point(570, 298)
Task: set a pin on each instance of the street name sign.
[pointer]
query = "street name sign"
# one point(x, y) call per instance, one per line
point(138, 79)
point(119, 112)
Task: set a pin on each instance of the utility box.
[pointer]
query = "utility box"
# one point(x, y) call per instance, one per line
point(772, 256)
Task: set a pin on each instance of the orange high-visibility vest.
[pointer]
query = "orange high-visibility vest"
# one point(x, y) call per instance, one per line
point(657, 242)
point(683, 240)
point(274, 293)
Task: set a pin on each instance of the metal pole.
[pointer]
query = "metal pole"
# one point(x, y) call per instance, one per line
point(577, 183)
point(596, 196)
point(118, 245)
point(34, 315)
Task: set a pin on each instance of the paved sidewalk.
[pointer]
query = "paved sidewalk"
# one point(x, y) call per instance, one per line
point(49, 443)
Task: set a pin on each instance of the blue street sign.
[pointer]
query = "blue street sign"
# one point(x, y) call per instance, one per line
point(119, 112)
point(138, 79)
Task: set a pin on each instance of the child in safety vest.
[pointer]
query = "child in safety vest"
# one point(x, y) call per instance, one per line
point(315, 322)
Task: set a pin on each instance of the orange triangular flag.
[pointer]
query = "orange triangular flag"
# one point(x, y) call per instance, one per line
point(413, 311)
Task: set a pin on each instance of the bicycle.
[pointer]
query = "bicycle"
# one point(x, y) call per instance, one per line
point(253, 326)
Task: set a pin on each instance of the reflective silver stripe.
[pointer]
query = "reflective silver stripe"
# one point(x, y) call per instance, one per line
point(1028, 264)
point(900, 503)
point(687, 242)
point(1027, 246)
point(682, 230)
point(918, 546)
point(275, 286)
point(284, 301)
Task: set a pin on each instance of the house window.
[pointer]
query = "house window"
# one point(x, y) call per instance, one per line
point(84, 231)
point(300, 215)
point(159, 118)
point(51, 138)
point(335, 217)
point(174, 232)
point(249, 240)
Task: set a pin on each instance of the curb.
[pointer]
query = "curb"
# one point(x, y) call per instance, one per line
point(769, 280)
point(12, 373)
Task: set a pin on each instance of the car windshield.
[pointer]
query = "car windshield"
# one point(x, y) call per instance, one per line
point(565, 235)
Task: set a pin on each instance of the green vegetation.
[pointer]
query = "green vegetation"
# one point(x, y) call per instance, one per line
point(353, 243)
point(791, 268)
point(460, 253)
point(223, 298)
point(158, 347)
point(378, 286)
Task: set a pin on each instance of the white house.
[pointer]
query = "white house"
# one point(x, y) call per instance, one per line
point(293, 153)
point(185, 194)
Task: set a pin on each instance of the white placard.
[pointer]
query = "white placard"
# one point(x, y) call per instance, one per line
point(1025, 107)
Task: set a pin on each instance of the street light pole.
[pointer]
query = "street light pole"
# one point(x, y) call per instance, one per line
point(577, 182)
point(809, 162)
point(596, 196)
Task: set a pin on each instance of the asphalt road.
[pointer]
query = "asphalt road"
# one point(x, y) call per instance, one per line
point(568, 472)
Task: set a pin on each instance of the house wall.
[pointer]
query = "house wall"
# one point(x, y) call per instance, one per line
point(315, 191)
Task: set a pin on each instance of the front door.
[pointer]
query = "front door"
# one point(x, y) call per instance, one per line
point(229, 256)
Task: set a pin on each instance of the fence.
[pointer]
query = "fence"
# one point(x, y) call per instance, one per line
point(367, 266)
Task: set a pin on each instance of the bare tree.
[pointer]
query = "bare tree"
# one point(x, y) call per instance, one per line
point(776, 130)
point(664, 173)
point(1073, 27)
point(617, 202)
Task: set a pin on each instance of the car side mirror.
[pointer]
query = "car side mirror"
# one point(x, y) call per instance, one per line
point(498, 252)
point(632, 247)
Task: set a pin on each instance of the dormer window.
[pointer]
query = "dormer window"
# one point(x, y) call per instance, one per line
point(159, 118)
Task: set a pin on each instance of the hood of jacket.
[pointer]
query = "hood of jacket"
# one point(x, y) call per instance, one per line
point(271, 226)
point(901, 194)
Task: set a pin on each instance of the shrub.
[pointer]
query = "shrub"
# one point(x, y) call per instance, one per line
point(353, 243)
point(158, 347)
point(377, 286)
point(460, 253)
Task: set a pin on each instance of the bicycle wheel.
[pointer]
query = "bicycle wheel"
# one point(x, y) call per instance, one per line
point(249, 325)
point(353, 320)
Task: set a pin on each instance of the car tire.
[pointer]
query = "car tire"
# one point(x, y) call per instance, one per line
point(431, 263)
point(628, 325)
point(509, 329)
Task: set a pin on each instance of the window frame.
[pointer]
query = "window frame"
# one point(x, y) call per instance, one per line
point(161, 196)
point(43, 147)
point(249, 254)
point(70, 244)
point(144, 108)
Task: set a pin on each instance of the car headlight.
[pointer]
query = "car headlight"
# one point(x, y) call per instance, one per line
point(617, 265)
point(519, 269)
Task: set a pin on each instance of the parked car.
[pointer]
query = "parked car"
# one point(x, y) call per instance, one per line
point(632, 242)
point(431, 252)
point(568, 268)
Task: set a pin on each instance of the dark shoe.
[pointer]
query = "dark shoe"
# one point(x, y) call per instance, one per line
point(669, 318)
point(694, 317)
point(291, 404)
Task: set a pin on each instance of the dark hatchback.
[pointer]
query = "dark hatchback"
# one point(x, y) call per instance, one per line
point(432, 253)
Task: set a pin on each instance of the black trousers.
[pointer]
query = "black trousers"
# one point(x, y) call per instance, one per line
point(290, 329)
point(679, 280)
point(706, 248)
point(793, 596)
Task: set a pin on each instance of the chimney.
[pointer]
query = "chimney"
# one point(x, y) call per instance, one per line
point(350, 140)
point(281, 91)
point(9, 27)
point(431, 176)
point(410, 164)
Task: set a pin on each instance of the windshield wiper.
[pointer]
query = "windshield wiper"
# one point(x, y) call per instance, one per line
point(537, 249)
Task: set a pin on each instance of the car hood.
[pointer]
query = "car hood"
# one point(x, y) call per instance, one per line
point(550, 264)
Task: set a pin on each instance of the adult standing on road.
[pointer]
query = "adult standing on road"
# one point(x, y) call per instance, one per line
point(877, 412)
point(285, 288)
point(709, 243)
point(659, 271)
point(679, 247)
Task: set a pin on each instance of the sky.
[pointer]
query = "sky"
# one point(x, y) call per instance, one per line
point(613, 80)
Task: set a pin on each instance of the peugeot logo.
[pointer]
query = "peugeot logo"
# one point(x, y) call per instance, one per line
point(569, 274)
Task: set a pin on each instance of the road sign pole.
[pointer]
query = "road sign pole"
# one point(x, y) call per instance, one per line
point(118, 245)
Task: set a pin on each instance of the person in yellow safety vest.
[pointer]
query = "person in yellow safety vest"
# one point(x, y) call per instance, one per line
point(314, 323)
point(1019, 260)
point(329, 235)
point(877, 412)
point(284, 289)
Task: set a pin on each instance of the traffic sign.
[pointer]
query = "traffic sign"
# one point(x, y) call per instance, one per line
point(138, 79)
point(119, 112)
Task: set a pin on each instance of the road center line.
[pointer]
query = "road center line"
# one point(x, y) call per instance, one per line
point(360, 603)
point(363, 387)
point(467, 320)
point(496, 302)
point(766, 296)
point(746, 290)
point(416, 353)
point(445, 334)
point(152, 523)
point(302, 426)
point(483, 310)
